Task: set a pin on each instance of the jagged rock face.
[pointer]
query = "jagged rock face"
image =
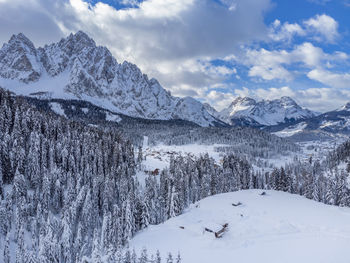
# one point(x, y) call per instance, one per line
point(80, 50)
point(93, 74)
point(136, 95)
point(264, 113)
point(19, 60)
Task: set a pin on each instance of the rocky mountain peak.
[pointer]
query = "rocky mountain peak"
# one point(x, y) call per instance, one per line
point(81, 38)
point(21, 41)
point(288, 101)
point(243, 101)
point(131, 70)
point(18, 60)
point(76, 68)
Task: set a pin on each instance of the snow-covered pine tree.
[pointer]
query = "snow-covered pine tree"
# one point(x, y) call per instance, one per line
point(6, 254)
point(170, 258)
point(158, 258)
point(143, 257)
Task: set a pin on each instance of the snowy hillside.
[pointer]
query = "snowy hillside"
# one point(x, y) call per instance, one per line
point(75, 68)
point(274, 228)
point(291, 130)
point(246, 111)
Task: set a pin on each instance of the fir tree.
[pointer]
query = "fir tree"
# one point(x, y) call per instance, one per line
point(7, 256)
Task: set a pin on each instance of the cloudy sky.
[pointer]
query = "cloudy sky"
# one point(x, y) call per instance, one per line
point(213, 50)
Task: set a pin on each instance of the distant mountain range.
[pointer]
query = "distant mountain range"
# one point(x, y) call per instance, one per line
point(322, 125)
point(248, 112)
point(76, 69)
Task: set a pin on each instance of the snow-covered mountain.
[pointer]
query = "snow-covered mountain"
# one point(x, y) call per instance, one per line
point(75, 68)
point(337, 121)
point(248, 112)
point(326, 125)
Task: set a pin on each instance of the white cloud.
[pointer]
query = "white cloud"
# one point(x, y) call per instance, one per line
point(336, 80)
point(313, 56)
point(323, 99)
point(168, 29)
point(267, 65)
point(325, 27)
point(219, 100)
point(273, 64)
point(216, 71)
point(285, 31)
point(274, 93)
point(321, 28)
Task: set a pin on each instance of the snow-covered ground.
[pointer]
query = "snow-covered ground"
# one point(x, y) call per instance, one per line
point(113, 117)
point(278, 227)
point(287, 132)
point(57, 108)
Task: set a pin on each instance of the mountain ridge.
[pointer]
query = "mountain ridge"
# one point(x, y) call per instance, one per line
point(247, 111)
point(75, 68)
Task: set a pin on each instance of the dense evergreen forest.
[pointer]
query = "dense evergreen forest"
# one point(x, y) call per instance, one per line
point(69, 191)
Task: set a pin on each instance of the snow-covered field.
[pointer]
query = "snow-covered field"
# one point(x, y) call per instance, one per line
point(275, 228)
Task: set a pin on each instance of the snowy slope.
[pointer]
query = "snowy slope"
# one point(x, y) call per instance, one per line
point(275, 228)
point(211, 110)
point(75, 68)
point(291, 130)
point(264, 113)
